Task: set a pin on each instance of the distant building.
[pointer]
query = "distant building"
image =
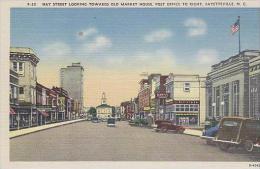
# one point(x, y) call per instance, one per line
point(185, 104)
point(118, 112)
point(228, 87)
point(24, 62)
point(46, 103)
point(72, 80)
point(144, 98)
point(125, 108)
point(152, 80)
point(160, 97)
point(104, 110)
point(13, 99)
point(64, 104)
point(254, 85)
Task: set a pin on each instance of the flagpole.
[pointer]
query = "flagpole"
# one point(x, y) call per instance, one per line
point(239, 45)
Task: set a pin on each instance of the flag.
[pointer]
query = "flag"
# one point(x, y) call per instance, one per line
point(235, 27)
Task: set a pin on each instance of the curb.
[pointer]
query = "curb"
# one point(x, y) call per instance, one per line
point(189, 134)
point(192, 135)
point(37, 130)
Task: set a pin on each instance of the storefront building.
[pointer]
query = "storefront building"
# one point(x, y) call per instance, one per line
point(13, 99)
point(24, 61)
point(184, 103)
point(144, 98)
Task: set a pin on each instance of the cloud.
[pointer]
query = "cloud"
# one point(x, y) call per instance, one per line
point(159, 60)
point(207, 56)
point(99, 43)
point(56, 49)
point(86, 33)
point(196, 27)
point(158, 36)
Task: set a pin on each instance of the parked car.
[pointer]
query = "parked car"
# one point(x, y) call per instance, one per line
point(167, 125)
point(89, 118)
point(111, 122)
point(238, 132)
point(95, 120)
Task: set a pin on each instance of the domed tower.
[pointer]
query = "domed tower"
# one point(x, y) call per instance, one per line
point(103, 99)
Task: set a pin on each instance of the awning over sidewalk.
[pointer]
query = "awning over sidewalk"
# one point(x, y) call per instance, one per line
point(44, 113)
point(12, 112)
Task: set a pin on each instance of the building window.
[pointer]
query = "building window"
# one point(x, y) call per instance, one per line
point(178, 107)
point(235, 98)
point(217, 100)
point(225, 89)
point(20, 66)
point(191, 107)
point(209, 95)
point(15, 66)
point(196, 107)
point(187, 107)
point(21, 90)
point(254, 98)
point(182, 107)
point(186, 87)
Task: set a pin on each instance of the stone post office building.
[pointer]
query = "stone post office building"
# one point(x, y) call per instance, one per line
point(228, 86)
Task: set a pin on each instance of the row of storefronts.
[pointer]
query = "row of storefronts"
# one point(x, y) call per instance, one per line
point(31, 103)
point(51, 107)
point(175, 97)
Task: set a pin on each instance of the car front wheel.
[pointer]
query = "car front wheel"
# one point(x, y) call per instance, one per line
point(164, 129)
point(249, 145)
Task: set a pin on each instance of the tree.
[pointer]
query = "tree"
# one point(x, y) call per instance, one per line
point(92, 111)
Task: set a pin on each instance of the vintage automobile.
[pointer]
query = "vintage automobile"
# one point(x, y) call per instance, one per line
point(95, 120)
point(111, 122)
point(167, 125)
point(238, 132)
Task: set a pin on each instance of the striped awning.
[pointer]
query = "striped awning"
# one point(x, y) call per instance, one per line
point(44, 113)
point(12, 112)
point(186, 114)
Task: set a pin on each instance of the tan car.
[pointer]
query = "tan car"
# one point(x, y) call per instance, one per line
point(238, 131)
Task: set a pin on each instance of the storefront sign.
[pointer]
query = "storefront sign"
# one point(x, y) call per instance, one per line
point(186, 102)
point(146, 108)
point(161, 95)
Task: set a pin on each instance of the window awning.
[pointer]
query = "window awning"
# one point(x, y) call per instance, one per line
point(12, 112)
point(44, 113)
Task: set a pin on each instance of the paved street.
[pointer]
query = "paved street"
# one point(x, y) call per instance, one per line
point(87, 141)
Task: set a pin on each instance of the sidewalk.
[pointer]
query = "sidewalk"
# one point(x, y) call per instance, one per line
point(193, 132)
point(21, 132)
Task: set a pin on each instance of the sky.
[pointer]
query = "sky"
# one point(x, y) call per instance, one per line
point(116, 45)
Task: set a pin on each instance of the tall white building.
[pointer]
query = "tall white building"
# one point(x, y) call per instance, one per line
point(72, 80)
